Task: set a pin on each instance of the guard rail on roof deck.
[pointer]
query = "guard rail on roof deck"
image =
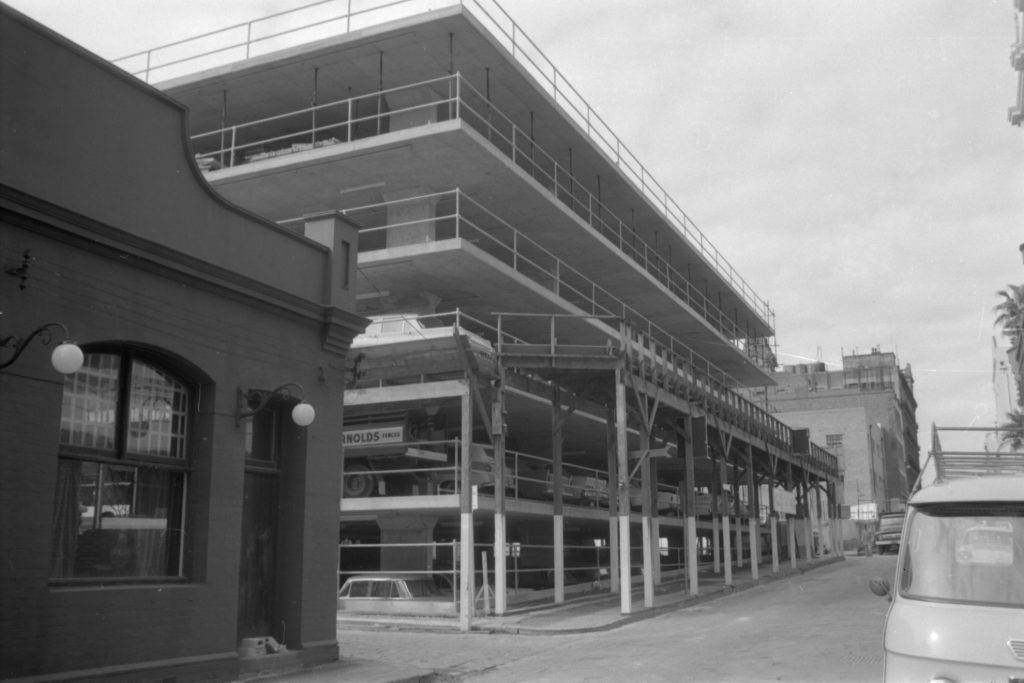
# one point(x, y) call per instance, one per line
point(451, 96)
point(459, 216)
point(326, 18)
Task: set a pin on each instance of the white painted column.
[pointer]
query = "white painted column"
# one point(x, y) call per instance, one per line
point(656, 548)
point(500, 483)
point(622, 491)
point(559, 534)
point(754, 547)
point(647, 494)
point(716, 542)
point(739, 542)
point(808, 521)
point(791, 530)
point(466, 574)
point(727, 550)
point(691, 553)
point(695, 438)
point(753, 507)
point(613, 502)
point(773, 521)
point(726, 536)
point(500, 565)
point(558, 530)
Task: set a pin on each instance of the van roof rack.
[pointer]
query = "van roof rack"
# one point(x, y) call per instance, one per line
point(961, 464)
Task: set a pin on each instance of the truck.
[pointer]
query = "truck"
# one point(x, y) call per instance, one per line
point(890, 532)
point(956, 609)
point(388, 458)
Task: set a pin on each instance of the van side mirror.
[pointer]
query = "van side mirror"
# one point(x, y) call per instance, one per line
point(880, 587)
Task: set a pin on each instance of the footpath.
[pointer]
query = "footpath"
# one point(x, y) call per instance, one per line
point(583, 614)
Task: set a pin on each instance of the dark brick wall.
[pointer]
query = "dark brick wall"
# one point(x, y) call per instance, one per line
point(234, 344)
point(127, 244)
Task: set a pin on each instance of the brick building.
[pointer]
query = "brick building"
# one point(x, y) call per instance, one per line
point(148, 523)
point(866, 414)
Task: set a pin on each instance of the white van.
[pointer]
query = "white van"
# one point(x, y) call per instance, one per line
point(957, 611)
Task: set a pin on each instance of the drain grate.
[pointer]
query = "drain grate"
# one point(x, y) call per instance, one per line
point(861, 659)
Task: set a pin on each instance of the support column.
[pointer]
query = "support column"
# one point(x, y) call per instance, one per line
point(622, 491)
point(808, 536)
point(739, 517)
point(818, 518)
point(773, 520)
point(466, 574)
point(716, 516)
point(406, 541)
point(415, 211)
point(613, 504)
point(655, 525)
point(696, 442)
point(726, 536)
point(556, 475)
point(754, 521)
point(791, 531)
point(500, 539)
point(645, 524)
point(837, 509)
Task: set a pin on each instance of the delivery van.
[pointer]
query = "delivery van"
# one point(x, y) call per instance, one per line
point(957, 599)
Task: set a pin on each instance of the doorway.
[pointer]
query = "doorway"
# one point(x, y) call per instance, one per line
point(258, 603)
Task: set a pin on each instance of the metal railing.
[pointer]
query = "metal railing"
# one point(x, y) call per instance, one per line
point(452, 97)
point(445, 553)
point(458, 216)
point(702, 382)
point(712, 386)
point(325, 18)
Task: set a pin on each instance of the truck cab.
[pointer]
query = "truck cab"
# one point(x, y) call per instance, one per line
point(890, 532)
point(957, 603)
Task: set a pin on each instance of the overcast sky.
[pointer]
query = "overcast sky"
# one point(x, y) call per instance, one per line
point(852, 160)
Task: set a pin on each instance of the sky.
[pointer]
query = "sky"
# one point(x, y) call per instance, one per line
point(852, 160)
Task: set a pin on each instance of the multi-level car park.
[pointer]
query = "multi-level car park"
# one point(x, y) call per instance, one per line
point(549, 383)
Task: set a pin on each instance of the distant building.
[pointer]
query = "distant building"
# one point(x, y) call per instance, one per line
point(1017, 62)
point(864, 413)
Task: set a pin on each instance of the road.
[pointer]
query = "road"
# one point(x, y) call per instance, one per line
point(821, 625)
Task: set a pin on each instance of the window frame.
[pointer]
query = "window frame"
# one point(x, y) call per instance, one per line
point(121, 456)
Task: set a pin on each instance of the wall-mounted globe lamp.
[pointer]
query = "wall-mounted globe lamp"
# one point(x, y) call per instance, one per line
point(252, 401)
point(67, 358)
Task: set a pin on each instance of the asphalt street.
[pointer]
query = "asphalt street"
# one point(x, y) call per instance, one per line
point(817, 625)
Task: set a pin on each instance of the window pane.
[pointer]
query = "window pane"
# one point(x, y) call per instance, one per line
point(969, 554)
point(117, 521)
point(261, 436)
point(89, 412)
point(156, 413)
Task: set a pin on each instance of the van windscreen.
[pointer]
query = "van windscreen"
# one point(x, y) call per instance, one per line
point(965, 553)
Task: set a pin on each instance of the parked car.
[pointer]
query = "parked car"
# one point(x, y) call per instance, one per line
point(580, 489)
point(890, 532)
point(416, 594)
point(666, 501)
point(481, 472)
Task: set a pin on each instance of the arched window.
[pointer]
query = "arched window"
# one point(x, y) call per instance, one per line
point(122, 479)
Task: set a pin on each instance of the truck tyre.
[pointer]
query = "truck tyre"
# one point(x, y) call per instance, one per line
point(359, 481)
